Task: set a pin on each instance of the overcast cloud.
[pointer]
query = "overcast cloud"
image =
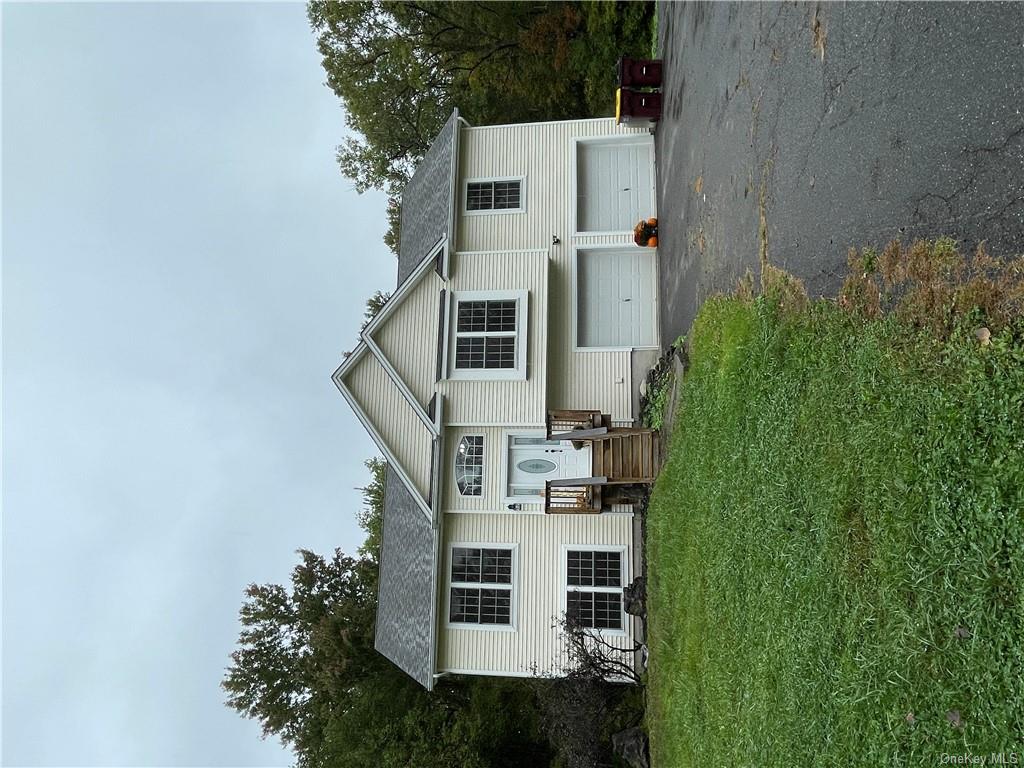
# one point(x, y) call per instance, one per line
point(183, 266)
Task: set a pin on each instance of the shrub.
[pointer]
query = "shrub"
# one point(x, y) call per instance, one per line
point(580, 711)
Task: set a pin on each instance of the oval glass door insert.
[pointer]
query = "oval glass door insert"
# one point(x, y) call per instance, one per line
point(537, 466)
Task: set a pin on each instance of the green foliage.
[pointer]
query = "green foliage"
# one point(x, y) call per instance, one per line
point(465, 723)
point(374, 305)
point(836, 544)
point(392, 237)
point(400, 68)
point(501, 717)
point(306, 669)
point(371, 515)
point(659, 386)
point(653, 52)
point(612, 29)
point(300, 650)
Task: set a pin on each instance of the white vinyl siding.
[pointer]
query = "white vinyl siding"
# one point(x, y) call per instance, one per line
point(545, 154)
point(497, 402)
point(540, 591)
point(394, 419)
point(492, 497)
point(408, 338)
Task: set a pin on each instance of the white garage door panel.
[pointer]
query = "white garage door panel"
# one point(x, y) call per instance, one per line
point(614, 187)
point(616, 298)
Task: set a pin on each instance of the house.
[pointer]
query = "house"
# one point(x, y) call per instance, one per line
point(523, 312)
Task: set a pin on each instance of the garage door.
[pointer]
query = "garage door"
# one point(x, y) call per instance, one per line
point(616, 305)
point(614, 185)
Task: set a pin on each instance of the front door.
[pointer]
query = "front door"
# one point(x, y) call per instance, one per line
point(532, 461)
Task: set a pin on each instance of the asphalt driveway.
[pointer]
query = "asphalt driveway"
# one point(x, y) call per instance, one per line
point(808, 129)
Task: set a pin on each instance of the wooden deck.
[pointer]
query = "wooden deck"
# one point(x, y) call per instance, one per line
point(622, 458)
point(627, 456)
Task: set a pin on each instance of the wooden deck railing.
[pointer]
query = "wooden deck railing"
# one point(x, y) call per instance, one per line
point(576, 425)
point(573, 496)
point(622, 459)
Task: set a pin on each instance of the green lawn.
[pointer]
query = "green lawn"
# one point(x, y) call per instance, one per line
point(836, 542)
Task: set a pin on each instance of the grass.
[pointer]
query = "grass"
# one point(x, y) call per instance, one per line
point(837, 543)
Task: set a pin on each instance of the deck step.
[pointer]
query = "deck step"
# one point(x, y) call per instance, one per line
point(626, 456)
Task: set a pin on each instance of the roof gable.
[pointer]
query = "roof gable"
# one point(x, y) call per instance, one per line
point(408, 337)
point(393, 422)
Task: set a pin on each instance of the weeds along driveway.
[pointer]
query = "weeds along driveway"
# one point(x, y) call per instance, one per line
point(802, 130)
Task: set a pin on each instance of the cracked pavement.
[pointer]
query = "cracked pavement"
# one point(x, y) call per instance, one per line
point(831, 125)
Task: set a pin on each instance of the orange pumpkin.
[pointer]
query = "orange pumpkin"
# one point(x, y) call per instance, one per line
point(652, 222)
point(652, 242)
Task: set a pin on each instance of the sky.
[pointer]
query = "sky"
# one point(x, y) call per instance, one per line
point(183, 267)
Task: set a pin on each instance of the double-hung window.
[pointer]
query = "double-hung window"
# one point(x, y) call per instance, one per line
point(494, 196)
point(594, 581)
point(481, 586)
point(489, 335)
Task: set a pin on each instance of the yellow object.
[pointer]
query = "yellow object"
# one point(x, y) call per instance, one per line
point(618, 106)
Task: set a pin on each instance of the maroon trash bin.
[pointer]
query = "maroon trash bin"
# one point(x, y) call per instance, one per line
point(645, 73)
point(638, 105)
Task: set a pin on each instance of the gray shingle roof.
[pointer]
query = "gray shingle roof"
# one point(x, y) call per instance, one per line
point(408, 567)
point(426, 201)
point(406, 592)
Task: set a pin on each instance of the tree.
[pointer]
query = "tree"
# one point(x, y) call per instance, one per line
point(374, 305)
point(400, 68)
point(371, 516)
point(301, 651)
point(306, 669)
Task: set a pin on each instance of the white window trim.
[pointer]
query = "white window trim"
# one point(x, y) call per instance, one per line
point(513, 588)
point(493, 211)
point(483, 467)
point(626, 580)
point(521, 335)
point(623, 138)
